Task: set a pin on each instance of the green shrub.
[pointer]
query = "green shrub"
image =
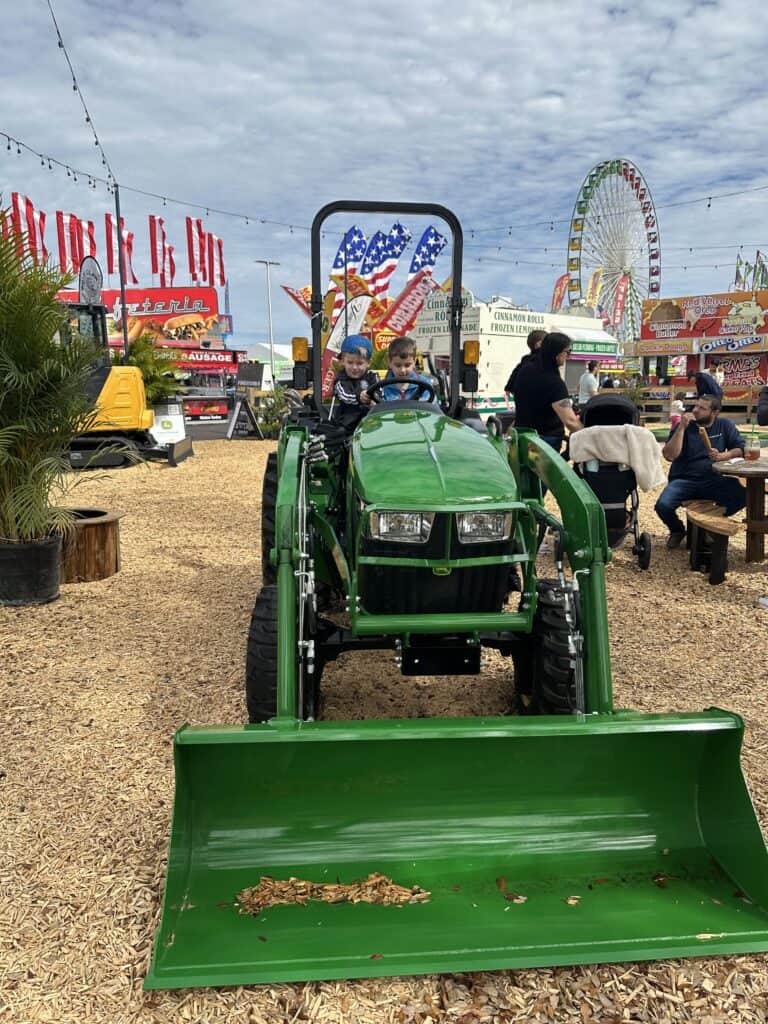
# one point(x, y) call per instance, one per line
point(43, 402)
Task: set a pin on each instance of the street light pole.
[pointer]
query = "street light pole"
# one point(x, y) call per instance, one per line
point(268, 264)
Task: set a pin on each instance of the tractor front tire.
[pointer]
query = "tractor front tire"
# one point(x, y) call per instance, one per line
point(261, 658)
point(545, 674)
point(268, 503)
point(261, 662)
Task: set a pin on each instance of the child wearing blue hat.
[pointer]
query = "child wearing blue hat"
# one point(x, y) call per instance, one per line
point(352, 382)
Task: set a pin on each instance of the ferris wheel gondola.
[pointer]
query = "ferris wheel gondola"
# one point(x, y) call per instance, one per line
point(614, 248)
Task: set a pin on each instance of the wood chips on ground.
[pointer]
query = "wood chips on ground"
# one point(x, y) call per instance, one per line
point(93, 686)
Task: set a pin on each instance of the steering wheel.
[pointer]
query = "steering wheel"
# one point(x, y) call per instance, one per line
point(422, 386)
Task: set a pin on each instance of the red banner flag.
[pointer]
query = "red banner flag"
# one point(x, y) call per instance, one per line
point(301, 296)
point(215, 260)
point(401, 315)
point(561, 285)
point(620, 299)
point(160, 252)
point(77, 239)
point(196, 250)
point(28, 220)
point(113, 258)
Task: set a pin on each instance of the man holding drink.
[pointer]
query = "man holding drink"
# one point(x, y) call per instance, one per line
point(699, 440)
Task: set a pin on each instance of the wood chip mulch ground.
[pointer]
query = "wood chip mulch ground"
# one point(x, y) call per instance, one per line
point(93, 686)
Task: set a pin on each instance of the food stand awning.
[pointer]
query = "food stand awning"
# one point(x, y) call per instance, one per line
point(592, 343)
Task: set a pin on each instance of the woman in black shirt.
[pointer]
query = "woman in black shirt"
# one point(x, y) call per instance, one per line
point(541, 396)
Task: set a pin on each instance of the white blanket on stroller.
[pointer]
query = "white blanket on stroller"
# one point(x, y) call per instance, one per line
point(635, 447)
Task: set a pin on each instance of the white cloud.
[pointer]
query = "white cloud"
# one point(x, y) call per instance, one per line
point(495, 110)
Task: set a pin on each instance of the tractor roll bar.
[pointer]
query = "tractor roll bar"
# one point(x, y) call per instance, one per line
point(359, 206)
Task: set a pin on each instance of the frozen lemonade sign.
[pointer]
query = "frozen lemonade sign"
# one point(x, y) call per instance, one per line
point(517, 322)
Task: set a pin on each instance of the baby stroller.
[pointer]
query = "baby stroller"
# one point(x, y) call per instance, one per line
point(614, 484)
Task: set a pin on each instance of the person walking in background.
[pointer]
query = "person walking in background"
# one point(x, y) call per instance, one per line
point(705, 384)
point(533, 342)
point(588, 384)
point(701, 438)
point(541, 397)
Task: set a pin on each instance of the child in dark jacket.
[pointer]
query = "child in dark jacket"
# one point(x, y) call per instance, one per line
point(351, 401)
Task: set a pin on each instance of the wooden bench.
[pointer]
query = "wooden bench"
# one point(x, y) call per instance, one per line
point(707, 537)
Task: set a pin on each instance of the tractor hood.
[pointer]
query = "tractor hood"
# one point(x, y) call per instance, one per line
point(414, 458)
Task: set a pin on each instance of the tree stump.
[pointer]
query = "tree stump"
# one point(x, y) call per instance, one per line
point(92, 550)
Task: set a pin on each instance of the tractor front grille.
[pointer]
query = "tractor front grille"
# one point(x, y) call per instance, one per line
point(413, 590)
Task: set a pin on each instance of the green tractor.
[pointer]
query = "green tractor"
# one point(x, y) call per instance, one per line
point(568, 832)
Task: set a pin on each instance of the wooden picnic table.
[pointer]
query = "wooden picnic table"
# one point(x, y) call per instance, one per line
point(755, 474)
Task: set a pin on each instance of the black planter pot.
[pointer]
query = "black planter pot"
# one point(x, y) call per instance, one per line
point(30, 573)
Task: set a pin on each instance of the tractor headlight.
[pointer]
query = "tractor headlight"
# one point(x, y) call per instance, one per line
point(479, 527)
point(408, 527)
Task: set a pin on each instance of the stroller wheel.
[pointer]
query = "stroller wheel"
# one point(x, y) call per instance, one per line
point(643, 550)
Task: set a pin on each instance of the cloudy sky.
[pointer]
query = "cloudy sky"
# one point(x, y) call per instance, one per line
point(495, 109)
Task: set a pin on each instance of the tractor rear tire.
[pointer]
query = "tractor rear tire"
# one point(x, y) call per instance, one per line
point(545, 674)
point(268, 503)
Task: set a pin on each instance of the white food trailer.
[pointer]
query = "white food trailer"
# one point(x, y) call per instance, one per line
point(502, 329)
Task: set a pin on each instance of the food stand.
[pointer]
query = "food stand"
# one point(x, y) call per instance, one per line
point(724, 332)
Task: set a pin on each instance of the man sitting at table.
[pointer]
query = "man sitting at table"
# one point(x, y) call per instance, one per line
point(691, 474)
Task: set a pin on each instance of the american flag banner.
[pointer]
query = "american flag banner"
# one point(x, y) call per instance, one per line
point(429, 248)
point(216, 273)
point(77, 239)
point(374, 256)
point(113, 257)
point(349, 257)
point(393, 248)
point(27, 220)
point(196, 250)
point(159, 250)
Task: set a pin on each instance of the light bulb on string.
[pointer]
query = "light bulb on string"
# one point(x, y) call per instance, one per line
point(50, 165)
point(709, 202)
point(18, 149)
point(8, 147)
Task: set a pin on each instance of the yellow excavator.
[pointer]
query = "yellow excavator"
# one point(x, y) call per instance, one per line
point(124, 428)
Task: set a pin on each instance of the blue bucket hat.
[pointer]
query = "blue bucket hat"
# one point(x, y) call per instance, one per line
point(357, 345)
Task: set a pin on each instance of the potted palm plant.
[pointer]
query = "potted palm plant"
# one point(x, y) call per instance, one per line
point(43, 406)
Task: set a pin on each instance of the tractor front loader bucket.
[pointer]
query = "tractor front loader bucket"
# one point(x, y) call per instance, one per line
point(541, 842)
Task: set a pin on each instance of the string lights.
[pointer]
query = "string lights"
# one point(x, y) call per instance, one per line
point(250, 218)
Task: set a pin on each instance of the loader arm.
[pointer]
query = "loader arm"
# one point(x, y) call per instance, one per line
point(586, 544)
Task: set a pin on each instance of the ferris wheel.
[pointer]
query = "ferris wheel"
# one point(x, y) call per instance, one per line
point(614, 251)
